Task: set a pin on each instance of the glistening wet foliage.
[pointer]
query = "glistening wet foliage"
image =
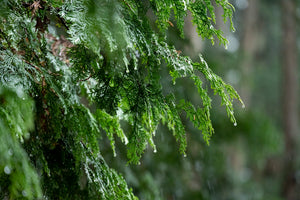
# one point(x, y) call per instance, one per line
point(70, 71)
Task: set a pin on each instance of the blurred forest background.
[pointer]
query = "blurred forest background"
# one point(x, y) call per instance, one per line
point(257, 159)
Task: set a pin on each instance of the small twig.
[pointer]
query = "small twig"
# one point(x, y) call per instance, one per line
point(37, 68)
point(171, 24)
point(90, 76)
point(35, 6)
point(90, 151)
point(62, 21)
point(52, 73)
point(128, 6)
point(52, 90)
point(86, 78)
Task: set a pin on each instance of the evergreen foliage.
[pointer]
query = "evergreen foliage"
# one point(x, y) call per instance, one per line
point(72, 70)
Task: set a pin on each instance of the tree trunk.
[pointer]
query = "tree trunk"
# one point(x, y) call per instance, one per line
point(290, 103)
point(249, 47)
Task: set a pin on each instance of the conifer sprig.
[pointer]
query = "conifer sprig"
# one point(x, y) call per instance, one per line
point(83, 66)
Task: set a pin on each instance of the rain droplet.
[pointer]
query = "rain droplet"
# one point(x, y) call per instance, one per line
point(184, 155)
point(19, 92)
point(23, 98)
point(7, 170)
point(126, 141)
point(235, 124)
point(154, 151)
point(243, 106)
point(24, 193)
point(10, 152)
point(139, 163)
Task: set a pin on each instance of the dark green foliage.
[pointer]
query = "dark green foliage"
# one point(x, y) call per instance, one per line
point(84, 67)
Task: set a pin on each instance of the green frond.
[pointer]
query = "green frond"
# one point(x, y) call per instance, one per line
point(16, 120)
point(73, 70)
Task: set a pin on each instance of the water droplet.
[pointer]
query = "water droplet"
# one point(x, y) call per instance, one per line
point(242, 4)
point(235, 124)
point(126, 140)
point(10, 152)
point(24, 193)
point(184, 155)
point(154, 151)
point(19, 92)
point(7, 170)
point(243, 106)
point(23, 98)
point(139, 163)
